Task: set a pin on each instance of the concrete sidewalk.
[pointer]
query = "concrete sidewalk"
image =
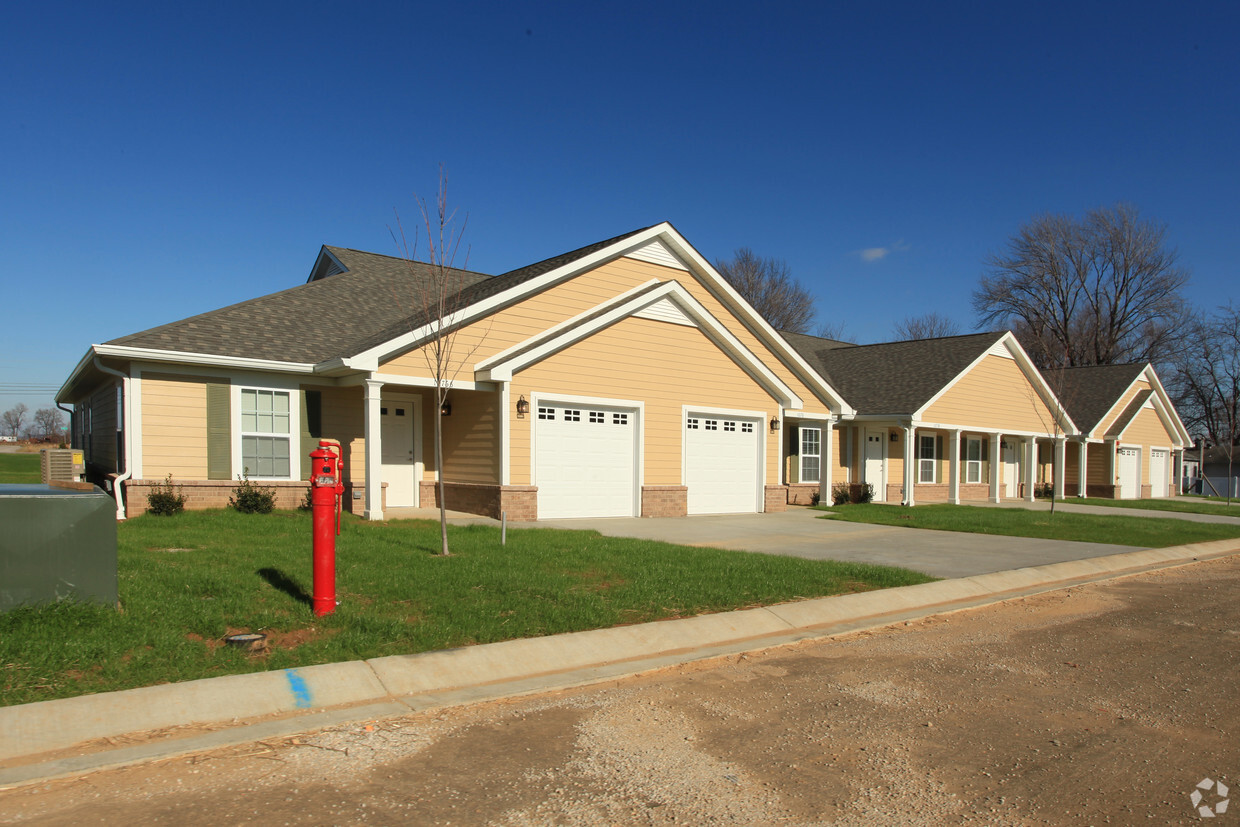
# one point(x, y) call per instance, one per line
point(1069, 507)
point(46, 740)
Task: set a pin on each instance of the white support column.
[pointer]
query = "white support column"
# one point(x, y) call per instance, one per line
point(373, 428)
point(1177, 472)
point(827, 458)
point(1031, 467)
point(1082, 469)
point(1112, 447)
point(996, 465)
point(1059, 466)
point(953, 467)
point(910, 463)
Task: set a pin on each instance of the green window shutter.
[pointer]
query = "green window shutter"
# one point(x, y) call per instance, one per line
point(938, 447)
point(311, 427)
point(219, 431)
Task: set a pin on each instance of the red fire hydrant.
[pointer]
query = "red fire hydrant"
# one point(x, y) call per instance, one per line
point(326, 488)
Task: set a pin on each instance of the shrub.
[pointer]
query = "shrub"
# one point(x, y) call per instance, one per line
point(1044, 490)
point(249, 498)
point(307, 502)
point(165, 500)
point(839, 493)
point(855, 492)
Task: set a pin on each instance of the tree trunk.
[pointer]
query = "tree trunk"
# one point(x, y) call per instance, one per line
point(443, 509)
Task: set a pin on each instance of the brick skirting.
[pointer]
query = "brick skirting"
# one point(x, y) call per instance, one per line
point(203, 494)
point(776, 498)
point(665, 500)
point(802, 493)
point(486, 499)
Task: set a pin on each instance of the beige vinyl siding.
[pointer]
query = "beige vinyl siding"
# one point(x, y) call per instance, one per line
point(840, 469)
point(1109, 420)
point(663, 365)
point(895, 456)
point(479, 340)
point(103, 428)
point(1147, 430)
point(342, 420)
point(994, 394)
point(470, 437)
point(1097, 462)
point(174, 426)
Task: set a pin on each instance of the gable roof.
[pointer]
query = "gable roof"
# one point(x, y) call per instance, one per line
point(1091, 391)
point(892, 378)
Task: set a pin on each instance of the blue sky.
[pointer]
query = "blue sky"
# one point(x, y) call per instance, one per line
point(166, 159)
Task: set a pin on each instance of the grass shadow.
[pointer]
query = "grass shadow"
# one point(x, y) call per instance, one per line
point(279, 580)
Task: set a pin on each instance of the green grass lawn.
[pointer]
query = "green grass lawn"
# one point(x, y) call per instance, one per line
point(1184, 505)
point(189, 580)
point(20, 468)
point(1145, 532)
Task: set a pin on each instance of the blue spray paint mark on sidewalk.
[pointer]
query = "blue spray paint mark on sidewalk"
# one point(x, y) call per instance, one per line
point(301, 692)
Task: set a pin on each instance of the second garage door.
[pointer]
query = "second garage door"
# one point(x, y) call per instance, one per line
point(584, 460)
point(722, 469)
point(1129, 473)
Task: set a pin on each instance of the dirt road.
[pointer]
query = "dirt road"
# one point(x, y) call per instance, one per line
point(1104, 704)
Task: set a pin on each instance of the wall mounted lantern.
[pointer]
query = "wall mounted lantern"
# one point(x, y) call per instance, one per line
point(774, 424)
point(523, 407)
point(445, 409)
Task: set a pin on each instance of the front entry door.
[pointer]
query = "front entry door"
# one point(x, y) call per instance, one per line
point(399, 418)
point(875, 448)
point(1011, 468)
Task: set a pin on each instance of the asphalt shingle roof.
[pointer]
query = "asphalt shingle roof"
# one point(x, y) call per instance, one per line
point(1088, 392)
point(894, 377)
point(375, 300)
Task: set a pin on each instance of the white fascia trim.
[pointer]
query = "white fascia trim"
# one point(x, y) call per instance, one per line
point(86, 360)
point(498, 359)
point(1168, 411)
point(1032, 374)
point(186, 358)
point(810, 415)
point(716, 332)
point(772, 338)
point(398, 380)
point(938, 426)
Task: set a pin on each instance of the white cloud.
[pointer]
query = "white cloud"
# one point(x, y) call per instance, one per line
point(877, 253)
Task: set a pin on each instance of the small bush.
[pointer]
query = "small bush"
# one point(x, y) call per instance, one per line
point(165, 500)
point(249, 498)
point(1044, 490)
point(854, 492)
point(307, 502)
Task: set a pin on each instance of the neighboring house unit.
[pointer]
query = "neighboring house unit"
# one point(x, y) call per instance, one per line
point(940, 420)
point(625, 378)
point(1130, 440)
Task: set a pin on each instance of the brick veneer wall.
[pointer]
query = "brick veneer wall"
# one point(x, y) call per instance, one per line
point(486, 499)
point(776, 498)
point(802, 493)
point(203, 494)
point(1147, 491)
point(665, 500)
point(941, 492)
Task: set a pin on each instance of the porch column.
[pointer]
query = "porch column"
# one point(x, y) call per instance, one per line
point(1059, 467)
point(1082, 469)
point(374, 451)
point(996, 465)
point(1112, 447)
point(953, 468)
point(828, 460)
point(1031, 466)
point(1177, 470)
point(910, 463)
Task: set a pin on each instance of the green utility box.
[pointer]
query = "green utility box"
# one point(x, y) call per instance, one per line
point(56, 543)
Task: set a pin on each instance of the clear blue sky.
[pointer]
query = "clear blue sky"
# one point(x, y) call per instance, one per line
point(165, 159)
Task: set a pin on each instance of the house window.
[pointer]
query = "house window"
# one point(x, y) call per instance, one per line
point(729, 425)
point(546, 413)
point(572, 416)
point(619, 419)
point(712, 424)
point(926, 465)
point(265, 433)
point(746, 427)
point(692, 424)
point(811, 454)
point(598, 417)
point(973, 460)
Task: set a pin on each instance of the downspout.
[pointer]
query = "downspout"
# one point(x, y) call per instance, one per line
point(72, 430)
point(116, 484)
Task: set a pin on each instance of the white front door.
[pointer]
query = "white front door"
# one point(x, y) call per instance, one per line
point(722, 471)
point(585, 460)
point(1129, 473)
point(1158, 473)
point(875, 454)
point(398, 416)
point(1011, 468)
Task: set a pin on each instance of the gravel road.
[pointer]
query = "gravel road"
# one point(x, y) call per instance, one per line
point(1102, 704)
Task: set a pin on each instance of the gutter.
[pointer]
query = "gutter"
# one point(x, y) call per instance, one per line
point(118, 489)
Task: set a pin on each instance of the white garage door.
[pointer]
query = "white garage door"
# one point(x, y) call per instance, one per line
point(721, 464)
point(584, 460)
point(1129, 473)
point(1158, 473)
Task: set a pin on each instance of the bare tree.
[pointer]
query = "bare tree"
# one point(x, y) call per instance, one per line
point(1099, 291)
point(49, 422)
point(767, 284)
point(831, 330)
point(14, 418)
point(440, 305)
point(1207, 380)
point(926, 326)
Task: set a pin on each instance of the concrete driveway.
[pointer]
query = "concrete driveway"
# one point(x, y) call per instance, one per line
point(799, 532)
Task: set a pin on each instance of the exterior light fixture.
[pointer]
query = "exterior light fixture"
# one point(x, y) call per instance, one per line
point(523, 407)
point(445, 409)
point(895, 437)
point(774, 424)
